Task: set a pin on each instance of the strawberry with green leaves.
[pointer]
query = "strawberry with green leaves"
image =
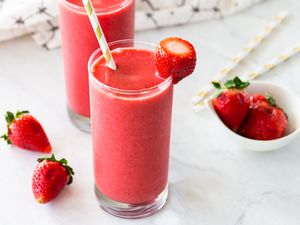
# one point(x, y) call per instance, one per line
point(24, 131)
point(231, 102)
point(265, 120)
point(50, 177)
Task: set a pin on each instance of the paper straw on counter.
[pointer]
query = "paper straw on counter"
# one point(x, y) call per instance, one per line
point(207, 90)
point(99, 34)
point(273, 63)
point(261, 70)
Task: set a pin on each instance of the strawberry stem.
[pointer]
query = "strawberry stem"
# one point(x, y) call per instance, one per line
point(5, 137)
point(217, 84)
point(273, 103)
point(20, 113)
point(271, 100)
point(236, 83)
point(10, 117)
point(63, 162)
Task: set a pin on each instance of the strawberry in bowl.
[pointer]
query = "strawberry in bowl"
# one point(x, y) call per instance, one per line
point(271, 122)
point(231, 102)
point(265, 120)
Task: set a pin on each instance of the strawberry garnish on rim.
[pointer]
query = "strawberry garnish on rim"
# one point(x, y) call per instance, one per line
point(24, 131)
point(176, 57)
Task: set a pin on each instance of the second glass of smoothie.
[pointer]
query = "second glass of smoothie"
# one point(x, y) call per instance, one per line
point(131, 110)
point(79, 42)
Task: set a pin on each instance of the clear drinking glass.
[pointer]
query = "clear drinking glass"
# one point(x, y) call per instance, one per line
point(131, 140)
point(79, 42)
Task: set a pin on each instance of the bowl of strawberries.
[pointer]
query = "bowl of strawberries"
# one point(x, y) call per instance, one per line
point(260, 116)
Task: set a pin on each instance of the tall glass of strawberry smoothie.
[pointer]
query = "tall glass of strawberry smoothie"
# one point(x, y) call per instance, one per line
point(79, 42)
point(131, 110)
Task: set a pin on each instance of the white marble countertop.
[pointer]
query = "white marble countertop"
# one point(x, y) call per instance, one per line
point(212, 181)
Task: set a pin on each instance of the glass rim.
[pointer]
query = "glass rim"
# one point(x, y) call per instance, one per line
point(98, 11)
point(119, 90)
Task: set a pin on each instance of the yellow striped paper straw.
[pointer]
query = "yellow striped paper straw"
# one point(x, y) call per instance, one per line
point(207, 90)
point(271, 64)
point(99, 34)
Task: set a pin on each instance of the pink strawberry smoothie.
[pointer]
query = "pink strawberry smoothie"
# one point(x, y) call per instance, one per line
point(79, 42)
point(131, 118)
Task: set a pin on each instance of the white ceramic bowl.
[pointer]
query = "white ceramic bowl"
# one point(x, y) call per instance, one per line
point(285, 99)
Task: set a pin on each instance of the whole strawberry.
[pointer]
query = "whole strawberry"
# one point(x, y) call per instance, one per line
point(231, 102)
point(265, 120)
point(24, 131)
point(50, 177)
point(175, 56)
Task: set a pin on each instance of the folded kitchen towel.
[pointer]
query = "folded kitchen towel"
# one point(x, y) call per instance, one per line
point(39, 18)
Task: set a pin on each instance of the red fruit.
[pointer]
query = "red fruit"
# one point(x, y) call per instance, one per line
point(257, 99)
point(265, 121)
point(175, 56)
point(232, 103)
point(50, 177)
point(24, 131)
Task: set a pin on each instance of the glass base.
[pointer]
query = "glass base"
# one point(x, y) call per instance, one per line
point(131, 211)
point(81, 122)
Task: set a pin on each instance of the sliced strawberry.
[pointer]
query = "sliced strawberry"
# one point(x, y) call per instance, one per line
point(265, 120)
point(232, 103)
point(25, 132)
point(175, 56)
point(50, 177)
